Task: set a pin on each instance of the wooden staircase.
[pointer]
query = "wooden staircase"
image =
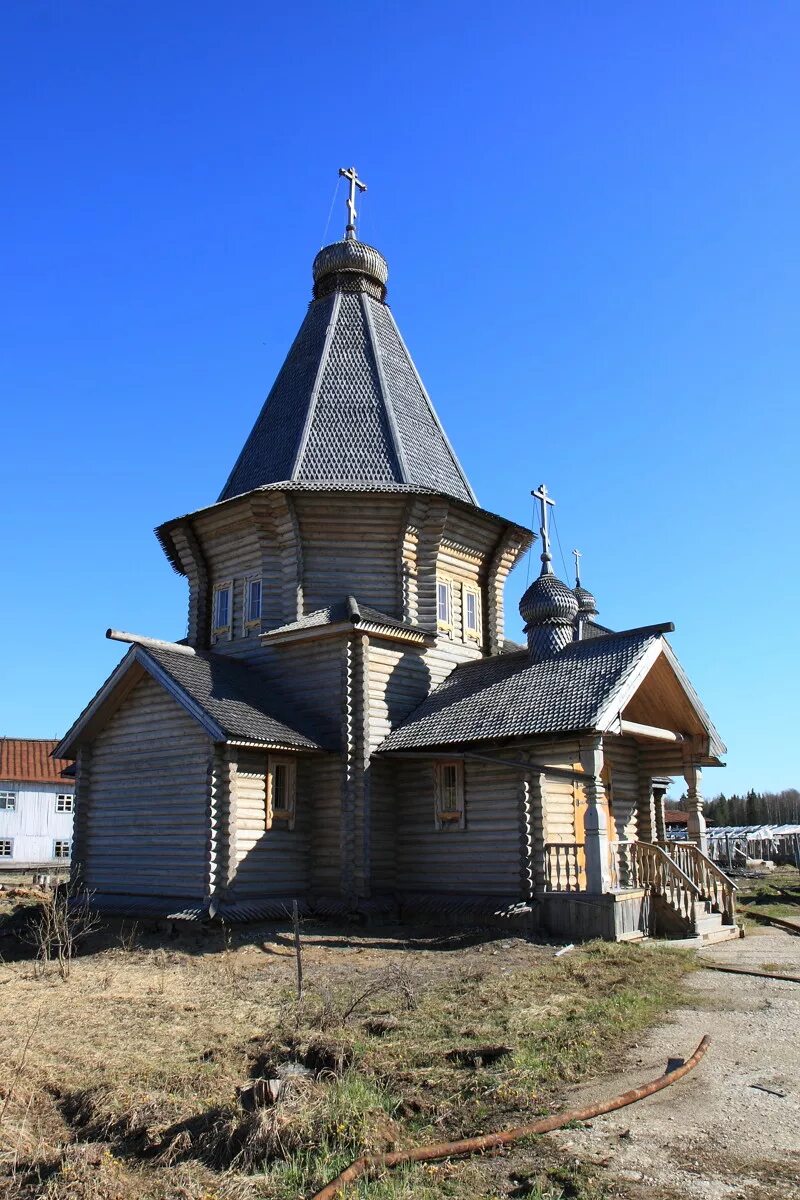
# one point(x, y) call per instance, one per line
point(692, 897)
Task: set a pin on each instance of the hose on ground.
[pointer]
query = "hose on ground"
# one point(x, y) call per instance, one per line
point(712, 966)
point(757, 916)
point(371, 1164)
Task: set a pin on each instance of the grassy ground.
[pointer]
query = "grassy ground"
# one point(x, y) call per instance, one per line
point(774, 895)
point(131, 1078)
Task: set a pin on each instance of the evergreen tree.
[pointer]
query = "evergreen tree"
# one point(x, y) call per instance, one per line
point(753, 808)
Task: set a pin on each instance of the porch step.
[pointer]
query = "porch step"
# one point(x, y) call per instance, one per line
point(708, 925)
point(725, 933)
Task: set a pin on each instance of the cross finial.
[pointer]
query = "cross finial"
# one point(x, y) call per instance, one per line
point(577, 556)
point(543, 496)
point(352, 174)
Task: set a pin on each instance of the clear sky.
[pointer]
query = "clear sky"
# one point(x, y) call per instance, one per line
point(590, 213)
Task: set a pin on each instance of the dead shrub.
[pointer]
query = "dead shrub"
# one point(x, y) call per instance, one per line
point(62, 921)
point(328, 1008)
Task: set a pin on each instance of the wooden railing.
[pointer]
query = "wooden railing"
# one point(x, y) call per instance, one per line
point(641, 864)
point(714, 884)
point(562, 862)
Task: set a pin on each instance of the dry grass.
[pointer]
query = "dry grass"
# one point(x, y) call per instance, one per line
point(136, 1075)
point(774, 895)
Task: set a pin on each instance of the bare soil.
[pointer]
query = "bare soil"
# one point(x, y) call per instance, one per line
point(732, 1128)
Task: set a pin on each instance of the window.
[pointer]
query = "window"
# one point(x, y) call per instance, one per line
point(281, 792)
point(448, 778)
point(444, 605)
point(222, 609)
point(252, 603)
point(65, 802)
point(61, 849)
point(6, 847)
point(471, 601)
point(8, 801)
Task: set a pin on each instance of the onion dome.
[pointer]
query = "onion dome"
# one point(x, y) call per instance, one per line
point(587, 605)
point(549, 609)
point(350, 266)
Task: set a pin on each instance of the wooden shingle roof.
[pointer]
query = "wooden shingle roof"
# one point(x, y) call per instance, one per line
point(510, 696)
point(27, 760)
point(348, 407)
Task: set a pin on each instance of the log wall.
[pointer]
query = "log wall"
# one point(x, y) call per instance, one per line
point(484, 857)
point(276, 861)
point(622, 759)
point(145, 804)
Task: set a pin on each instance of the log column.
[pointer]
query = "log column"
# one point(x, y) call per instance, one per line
point(696, 822)
point(646, 830)
point(660, 828)
point(598, 869)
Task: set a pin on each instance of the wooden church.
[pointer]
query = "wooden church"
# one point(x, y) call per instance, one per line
point(346, 725)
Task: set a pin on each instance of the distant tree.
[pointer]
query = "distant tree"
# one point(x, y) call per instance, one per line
point(754, 808)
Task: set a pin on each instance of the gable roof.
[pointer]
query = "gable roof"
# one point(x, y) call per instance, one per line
point(230, 700)
point(509, 696)
point(348, 408)
point(28, 760)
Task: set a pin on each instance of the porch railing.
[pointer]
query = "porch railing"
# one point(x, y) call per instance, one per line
point(712, 881)
point(641, 864)
point(562, 861)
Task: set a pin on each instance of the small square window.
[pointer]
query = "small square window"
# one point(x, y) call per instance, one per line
point(281, 792)
point(8, 801)
point(449, 795)
point(61, 849)
point(6, 847)
point(252, 602)
point(444, 605)
point(65, 802)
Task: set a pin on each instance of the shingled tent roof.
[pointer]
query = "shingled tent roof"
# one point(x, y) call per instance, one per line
point(348, 407)
point(510, 696)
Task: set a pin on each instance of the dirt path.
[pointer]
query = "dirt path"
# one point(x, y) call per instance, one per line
point(716, 1134)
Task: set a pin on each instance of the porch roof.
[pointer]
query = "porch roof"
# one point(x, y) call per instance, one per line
point(509, 696)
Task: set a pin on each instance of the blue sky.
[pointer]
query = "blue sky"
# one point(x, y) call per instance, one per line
point(590, 213)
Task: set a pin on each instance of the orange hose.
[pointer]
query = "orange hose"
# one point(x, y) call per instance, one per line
point(370, 1164)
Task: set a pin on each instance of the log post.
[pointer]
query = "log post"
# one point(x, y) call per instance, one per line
point(646, 826)
point(598, 867)
point(659, 827)
point(696, 822)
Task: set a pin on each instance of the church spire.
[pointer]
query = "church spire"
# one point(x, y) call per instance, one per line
point(545, 501)
point(348, 409)
point(587, 605)
point(549, 607)
point(351, 174)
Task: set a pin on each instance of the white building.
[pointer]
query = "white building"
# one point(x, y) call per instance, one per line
point(36, 804)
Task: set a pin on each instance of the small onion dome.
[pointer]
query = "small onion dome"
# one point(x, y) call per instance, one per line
point(350, 266)
point(587, 605)
point(549, 609)
point(548, 599)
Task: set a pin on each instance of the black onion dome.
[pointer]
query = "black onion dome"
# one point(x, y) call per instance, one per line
point(546, 600)
point(587, 605)
point(350, 266)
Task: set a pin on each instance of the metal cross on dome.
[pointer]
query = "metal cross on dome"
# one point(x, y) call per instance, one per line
point(351, 174)
point(543, 496)
point(576, 554)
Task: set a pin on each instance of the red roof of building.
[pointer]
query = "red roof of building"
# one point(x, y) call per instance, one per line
point(28, 760)
point(675, 816)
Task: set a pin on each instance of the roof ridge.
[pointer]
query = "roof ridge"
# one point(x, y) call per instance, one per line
point(388, 404)
point(318, 378)
point(639, 630)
